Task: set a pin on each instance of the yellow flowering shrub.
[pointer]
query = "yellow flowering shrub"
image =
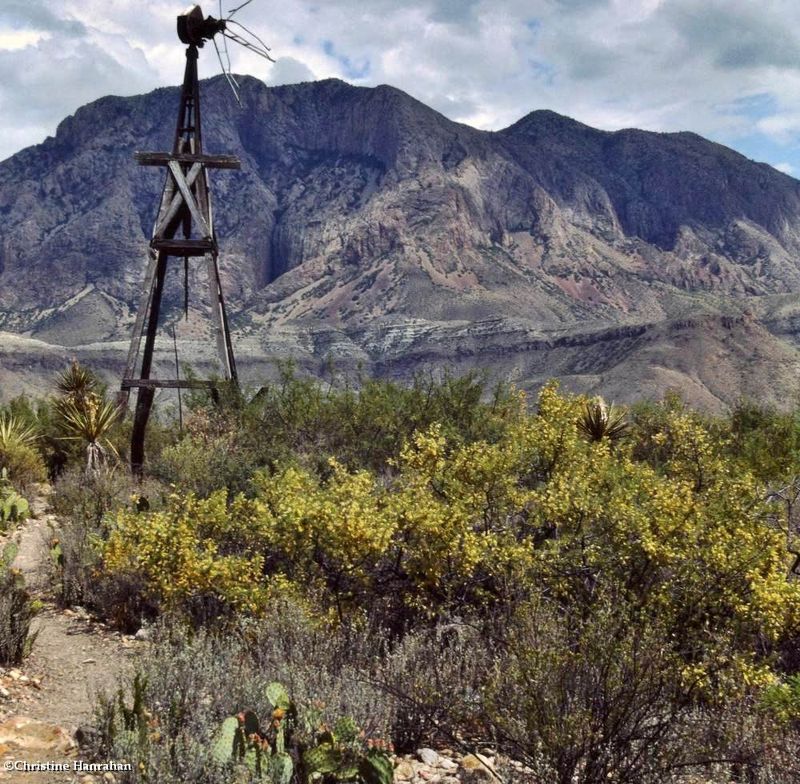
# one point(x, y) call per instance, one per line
point(180, 553)
point(664, 521)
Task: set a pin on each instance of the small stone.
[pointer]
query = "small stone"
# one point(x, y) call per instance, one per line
point(22, 734)
point(88, 780)
point(447, 764)
point(429, 757)
point(15, 675)
point(109, 777)
point(4, 693)
point(477, 769)
point(89, 661)
point(143, 634)
point(88, 737)
point(404, 770)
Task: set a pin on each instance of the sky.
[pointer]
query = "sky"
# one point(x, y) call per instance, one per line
point(726, 69)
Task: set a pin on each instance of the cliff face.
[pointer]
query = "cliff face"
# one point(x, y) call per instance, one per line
point(366, 226)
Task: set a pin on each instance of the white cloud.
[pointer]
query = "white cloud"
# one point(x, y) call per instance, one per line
point(784, 167)
point(287, 70)
point(19, 39)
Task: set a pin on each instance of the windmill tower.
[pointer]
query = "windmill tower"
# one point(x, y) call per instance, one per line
point(183, 231)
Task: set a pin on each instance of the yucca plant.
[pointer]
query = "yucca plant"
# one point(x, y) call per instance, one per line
point(90, 421)
point(19, 456)
point(75, 386)
point(15, 432)
point(599, 421)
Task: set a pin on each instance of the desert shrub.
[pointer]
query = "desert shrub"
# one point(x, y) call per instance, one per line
point(82, 504)
point(209, 456)
point(24, 466)
point(17, 610)
point(298, 420)
point(188, 682)
point(437, 676)
point(587, 698)
point(465, 526)
point(765, 441)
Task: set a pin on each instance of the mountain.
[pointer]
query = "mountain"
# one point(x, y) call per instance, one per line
point(367, 228)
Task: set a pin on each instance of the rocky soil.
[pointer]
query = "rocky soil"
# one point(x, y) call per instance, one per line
point(72, 659)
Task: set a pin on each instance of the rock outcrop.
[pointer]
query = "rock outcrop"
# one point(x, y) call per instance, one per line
point(366, 227)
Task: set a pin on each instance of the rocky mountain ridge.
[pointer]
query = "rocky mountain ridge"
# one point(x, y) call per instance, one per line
point(366, 227)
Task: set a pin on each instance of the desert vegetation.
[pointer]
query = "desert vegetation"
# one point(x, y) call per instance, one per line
point(328, 574)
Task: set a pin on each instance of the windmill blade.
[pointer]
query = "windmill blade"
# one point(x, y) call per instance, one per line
point(225, 45)
point(232, 83)
point(259, 46)
point(226, 68)
point(234, 10)
point(248, 45)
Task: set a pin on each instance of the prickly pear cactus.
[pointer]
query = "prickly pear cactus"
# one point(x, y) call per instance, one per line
point(223, 747)
point(278, 696)
point(323, 759)
point(262, 752)
point(13, 507)
point(281, 768)
point(376, 768)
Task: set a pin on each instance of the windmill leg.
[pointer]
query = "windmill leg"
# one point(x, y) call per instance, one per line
point(144, 399)
point(141, 313)
point(224, 349)
point(226, 332)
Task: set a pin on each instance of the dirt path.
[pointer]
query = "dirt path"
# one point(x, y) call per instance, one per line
point(72, 659)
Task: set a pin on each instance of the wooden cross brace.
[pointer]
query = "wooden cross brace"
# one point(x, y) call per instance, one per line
point(183, 196)
point(180, 191)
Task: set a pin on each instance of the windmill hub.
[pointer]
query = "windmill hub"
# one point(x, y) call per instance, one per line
point(194, 30)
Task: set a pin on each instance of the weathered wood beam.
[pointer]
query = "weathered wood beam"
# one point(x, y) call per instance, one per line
point(161, 383)
point(211, 161)
point(183, 247)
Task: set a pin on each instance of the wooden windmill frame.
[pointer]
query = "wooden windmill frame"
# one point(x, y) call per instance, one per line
point(183, 229)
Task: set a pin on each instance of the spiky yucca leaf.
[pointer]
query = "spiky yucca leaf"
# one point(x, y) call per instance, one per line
point(90, 421)
point(76, 382)
point(599, 421)
point(15, 432)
